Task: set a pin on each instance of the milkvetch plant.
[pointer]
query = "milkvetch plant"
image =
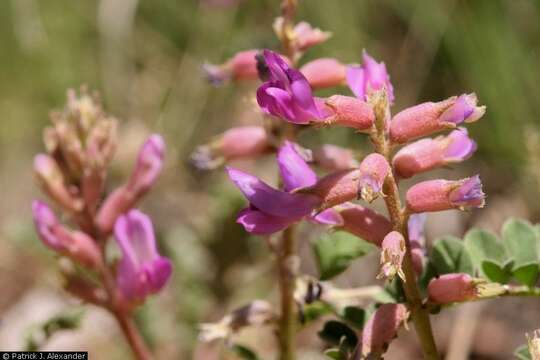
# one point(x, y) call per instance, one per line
point(413, 141)
point(81, 217)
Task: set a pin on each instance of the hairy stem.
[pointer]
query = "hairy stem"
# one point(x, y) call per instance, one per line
point(287, 321)
point(399, 218)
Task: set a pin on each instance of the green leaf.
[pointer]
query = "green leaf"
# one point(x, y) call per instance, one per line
point(335, 354)
point(527, 274)
point(355, 316)
point(520, 241)
point(522, 353)
point(244, 353)
point(335, 252)
point(483, 245)
point(449, 256)
point(339, 334)
point(495, 272)
point(315, 310)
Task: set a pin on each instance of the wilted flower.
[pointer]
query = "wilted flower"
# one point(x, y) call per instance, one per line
point(427, 154)
point(324, 73)
point(147, 169)
point(369, 77)
point(428, 118)
point(256, 313)
point(242, 66)
point(381, 328)
point(393, 251)
point(287, 94)
point(349, 112)
point(74, 244)
point(373, 172)
point(439, 195)
point(333, 158)
point(142, 270)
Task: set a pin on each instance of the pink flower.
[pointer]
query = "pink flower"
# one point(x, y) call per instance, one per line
point(450, 288)
point(335, 188)
point(306, 36)
point(74, 244)
point(141, 271)
point(373, 172)
point(324, 73)
point(439, 195)
point(428, 118)
point(368, 77)
point(426, 154)
point(349, 112)
point(393, 251)
point(242, 66)
point(364, 222)
point(381, 328)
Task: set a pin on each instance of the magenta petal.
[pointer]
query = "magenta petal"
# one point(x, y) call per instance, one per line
point(258, 223)
point(459, 111)
point(159, 271)
point(294, 170)
point(302, 94)
point(329, 217)
point(270, 200)
point(356, 80)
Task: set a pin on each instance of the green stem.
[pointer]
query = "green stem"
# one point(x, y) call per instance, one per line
point(287, 321)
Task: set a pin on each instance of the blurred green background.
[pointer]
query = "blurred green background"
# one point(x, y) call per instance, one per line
point(144, 58)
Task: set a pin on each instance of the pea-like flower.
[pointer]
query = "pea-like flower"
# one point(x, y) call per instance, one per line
point(348, 111)
point(364, 222)
point(431, 117)
point(373, 171)
point(287, 93)
point(450, 288)
point(272, 210)
point(236, 143)
point(242, 66)
point(426, 154)
point(369, 77)
point(142, 270)
point(73, 244)
point(439, 195)
point(147, 169)
point(324, 73)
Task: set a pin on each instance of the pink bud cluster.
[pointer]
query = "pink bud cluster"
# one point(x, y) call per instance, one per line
point(80, 144)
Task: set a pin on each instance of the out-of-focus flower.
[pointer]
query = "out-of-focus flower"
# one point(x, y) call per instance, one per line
point(427, 154)
point(417, 241)
point(242, 66)
point(450, 288)
point(349, 112)
point(431, 117)
point(373, 171)
point(381, 328)
point(287, 94)
point(333, 158)
point(364, 222)
point(369, 77)
point(147, 169)
point(74, 244)
point(324, 73)
point(142, 270)
point(236, 143)
point(533, 343)
point(393, 251)
point(303, 35)
point(256, 313)
point(439, 195)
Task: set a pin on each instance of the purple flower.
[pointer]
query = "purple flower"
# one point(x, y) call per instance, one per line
point(468, 194)
point(287, 94)
point(416, 228)
point(271, 210)
point(141, 271)
point(368, 77)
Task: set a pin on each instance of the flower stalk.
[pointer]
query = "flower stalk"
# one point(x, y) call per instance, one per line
point(287, 321)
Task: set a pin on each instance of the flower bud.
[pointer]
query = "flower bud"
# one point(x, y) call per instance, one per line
point(393, 251)
point(257, 313)
point(335, 188)
point(333, 158)
point(235, 143)
point(242, 66)
point(373, 171)
point(303, 35)
point(364, 223)
point(450, 288)
point(428, 118)
point(381, 328)
point(439, 195)
point(51, 179)
point(149, 164)
point(324, 73)
point(74, 244)
point(349, 112)
point(369, 77)
point(427, 154)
